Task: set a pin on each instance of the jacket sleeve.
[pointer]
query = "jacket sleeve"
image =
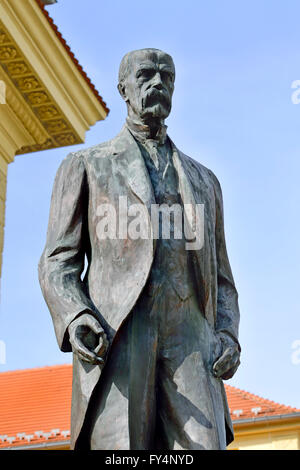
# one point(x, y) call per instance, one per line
point(62, 261)
point(228, 315)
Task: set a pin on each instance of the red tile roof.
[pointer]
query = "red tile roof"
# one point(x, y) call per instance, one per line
point(79, 67)
point(34, 400)
point(245, 405)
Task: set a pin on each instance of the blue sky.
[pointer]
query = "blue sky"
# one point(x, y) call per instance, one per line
point(232, 111)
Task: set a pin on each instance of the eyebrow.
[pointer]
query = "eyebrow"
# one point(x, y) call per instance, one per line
point(165, 67)
point(146, 66)
point(162, 67)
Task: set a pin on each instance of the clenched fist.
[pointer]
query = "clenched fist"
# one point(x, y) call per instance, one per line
point(88, 339)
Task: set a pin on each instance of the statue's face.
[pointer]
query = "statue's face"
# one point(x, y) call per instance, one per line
point(149, 85)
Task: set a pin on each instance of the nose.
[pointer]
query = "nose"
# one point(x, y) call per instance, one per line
point(156, 82)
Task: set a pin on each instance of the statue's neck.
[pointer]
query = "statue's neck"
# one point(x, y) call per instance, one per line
point(152, 126)
point(144, 131)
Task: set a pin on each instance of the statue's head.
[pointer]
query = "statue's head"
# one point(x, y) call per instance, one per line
point(146, 83)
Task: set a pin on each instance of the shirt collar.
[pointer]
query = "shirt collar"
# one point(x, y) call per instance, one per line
point(142, 132)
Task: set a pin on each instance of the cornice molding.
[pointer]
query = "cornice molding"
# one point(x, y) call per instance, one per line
point(22, 111)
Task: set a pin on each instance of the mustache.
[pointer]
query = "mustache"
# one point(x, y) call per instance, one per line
point(154, 96)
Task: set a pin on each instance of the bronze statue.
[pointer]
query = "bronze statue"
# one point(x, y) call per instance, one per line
point(153, 325)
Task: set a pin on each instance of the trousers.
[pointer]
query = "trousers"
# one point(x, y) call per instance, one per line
point(157, 390)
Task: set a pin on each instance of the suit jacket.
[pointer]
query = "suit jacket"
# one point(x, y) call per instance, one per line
point(118, 269)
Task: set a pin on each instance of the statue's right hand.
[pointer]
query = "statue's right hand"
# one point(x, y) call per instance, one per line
point(88, 339)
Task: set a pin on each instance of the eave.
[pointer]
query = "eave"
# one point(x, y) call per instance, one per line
point(261, 425)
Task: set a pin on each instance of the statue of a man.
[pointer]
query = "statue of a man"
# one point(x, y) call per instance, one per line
point(153, 324)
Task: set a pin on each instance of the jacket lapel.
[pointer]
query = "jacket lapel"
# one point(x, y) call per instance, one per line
point(185, 189)
point(203, 255)
point(134, 167)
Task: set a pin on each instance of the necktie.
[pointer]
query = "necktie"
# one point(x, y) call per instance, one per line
point(151, 147)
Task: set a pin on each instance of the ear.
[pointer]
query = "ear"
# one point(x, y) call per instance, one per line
point(122, 91)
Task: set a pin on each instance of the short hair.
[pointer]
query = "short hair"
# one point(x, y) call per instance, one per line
point(126, 62)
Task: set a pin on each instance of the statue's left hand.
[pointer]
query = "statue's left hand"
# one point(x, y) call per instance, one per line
point(226, 365)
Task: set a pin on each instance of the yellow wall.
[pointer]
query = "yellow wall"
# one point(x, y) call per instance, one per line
point(267, 436)
point(267, 442)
